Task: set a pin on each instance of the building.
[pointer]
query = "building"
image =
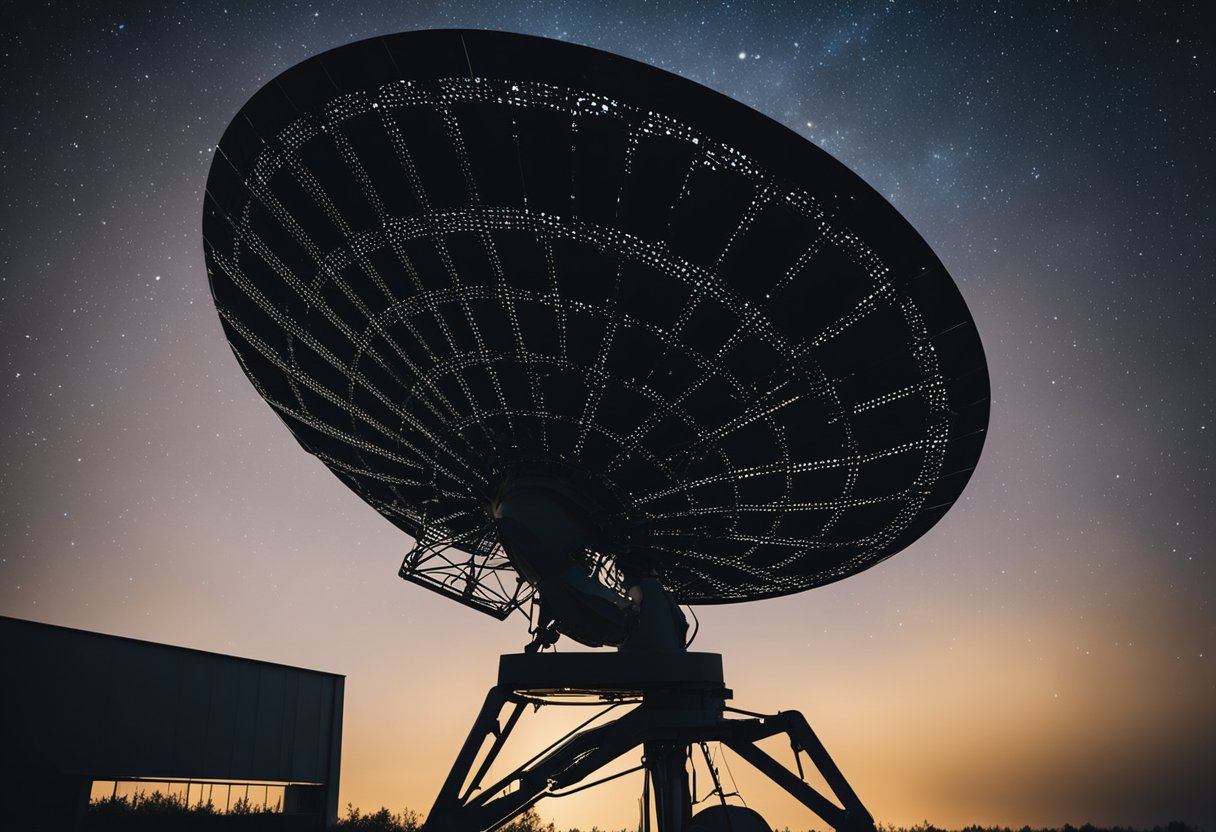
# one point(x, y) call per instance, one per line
point(78, 707)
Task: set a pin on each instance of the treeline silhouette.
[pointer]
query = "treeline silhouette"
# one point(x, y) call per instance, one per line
point(157, 812)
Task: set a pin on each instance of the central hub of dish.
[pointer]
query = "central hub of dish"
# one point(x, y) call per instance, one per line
point(593, 586)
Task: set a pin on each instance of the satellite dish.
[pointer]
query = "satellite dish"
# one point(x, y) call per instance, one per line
point(601, 341)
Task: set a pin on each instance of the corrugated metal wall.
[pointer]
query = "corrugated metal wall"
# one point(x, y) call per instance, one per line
point(86, 705)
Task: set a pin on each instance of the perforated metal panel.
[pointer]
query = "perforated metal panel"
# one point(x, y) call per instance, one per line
point(446, 256)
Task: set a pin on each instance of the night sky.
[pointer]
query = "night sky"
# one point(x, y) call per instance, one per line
point(1046, 654)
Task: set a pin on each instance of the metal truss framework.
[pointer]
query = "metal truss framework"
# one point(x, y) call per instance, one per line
point(680, 705)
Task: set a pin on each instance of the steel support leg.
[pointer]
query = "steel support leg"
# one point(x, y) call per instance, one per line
point(665, 765)
point(449, 794)
point(850, 816)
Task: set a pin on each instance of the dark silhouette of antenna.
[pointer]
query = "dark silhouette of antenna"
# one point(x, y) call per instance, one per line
point(602, 342)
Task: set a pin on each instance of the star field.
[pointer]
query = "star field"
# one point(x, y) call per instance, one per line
point(1044, 655)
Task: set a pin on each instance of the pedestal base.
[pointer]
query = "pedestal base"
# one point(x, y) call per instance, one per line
point(681, 702)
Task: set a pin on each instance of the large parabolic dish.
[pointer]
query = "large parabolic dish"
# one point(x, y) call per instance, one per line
point(450, 258)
